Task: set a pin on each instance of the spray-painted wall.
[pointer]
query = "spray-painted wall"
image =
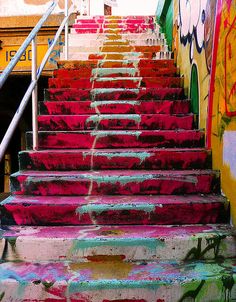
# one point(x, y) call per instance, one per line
point(222, 102)
point(204, 41)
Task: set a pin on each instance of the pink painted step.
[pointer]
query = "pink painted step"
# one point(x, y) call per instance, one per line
point(67, 94)
point(67, 160)
point(115, 107)
point(129, 243)
point(122, 30)
point(115, 122)
point(114, 72)
point(112, 182)
point(116, 139)
point(116, 281)
point(114, 210)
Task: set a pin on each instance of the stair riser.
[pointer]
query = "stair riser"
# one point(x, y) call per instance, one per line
point(114, 122)
point(67, 214)
point(116, 83)
point(129, 249)
point(134, 139)
point(127, 26)
point(136, 185)
point(141, 63)
point(114, 107)
point(113, 94)
point(122, 72)
point(105, 160)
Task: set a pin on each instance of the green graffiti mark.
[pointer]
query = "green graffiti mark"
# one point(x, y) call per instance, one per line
point(224, 122)
point(192, 293)
point(47, 285)
point(228, 283)
point(213, 243)
point(2, 296)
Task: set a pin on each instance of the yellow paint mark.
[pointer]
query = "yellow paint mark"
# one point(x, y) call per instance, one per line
point(229, 189)
point(105, 270)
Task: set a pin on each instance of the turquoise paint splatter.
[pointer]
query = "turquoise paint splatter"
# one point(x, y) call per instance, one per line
point(75, 287)
point(151, 243)
point(98, 118)
point(100, 134)
point(104, 103)
point(99, 208)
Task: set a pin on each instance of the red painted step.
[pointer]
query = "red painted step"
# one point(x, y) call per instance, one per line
point(113, 182)
point(115, 107)
point(157, 159)
point(119, 82)
point(117, 139)
point(139, 63)
point(114, 72)
point(115, 122)
point(114, 210)
point(67, 94)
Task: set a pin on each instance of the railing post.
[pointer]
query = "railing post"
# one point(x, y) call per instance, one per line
point(66, 31)
point(34, 95)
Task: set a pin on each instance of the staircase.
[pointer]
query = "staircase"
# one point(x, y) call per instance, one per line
point(120, 203)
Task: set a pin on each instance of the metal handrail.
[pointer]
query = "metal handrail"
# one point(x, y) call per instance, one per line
point(32, 89)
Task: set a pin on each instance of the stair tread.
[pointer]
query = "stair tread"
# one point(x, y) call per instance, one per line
point(118, 232)
point(115, 200)
point(117, 173)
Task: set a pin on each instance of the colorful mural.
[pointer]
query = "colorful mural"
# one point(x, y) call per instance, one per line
point(204, 47)
point(192, 44)
point(222, 107)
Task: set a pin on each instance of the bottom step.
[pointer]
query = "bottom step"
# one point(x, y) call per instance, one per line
point(115, 281)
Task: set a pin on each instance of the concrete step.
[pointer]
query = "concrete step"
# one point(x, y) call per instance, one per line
point(115, 72)
point(115, 122)
point(115, 107)
point(157, 159)
point(137, 63)
point(115, 182)
point(100, 139)
point(102, 94)
point(114, 210)
point(129, 243)
point(117, 281)
point(117, 82)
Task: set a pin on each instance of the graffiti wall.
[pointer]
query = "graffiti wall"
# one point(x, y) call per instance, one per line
point(222, 101)
point(204, 46)
point(192, 44)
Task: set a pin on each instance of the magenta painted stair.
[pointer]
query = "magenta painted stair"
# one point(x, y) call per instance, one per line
point(119, 204)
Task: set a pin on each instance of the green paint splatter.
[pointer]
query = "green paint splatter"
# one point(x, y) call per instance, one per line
point(47, 285)
point(2, 296)
point(228, 283)
point(192, 293)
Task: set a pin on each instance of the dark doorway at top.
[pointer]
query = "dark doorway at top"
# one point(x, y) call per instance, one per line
point(107, 10)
